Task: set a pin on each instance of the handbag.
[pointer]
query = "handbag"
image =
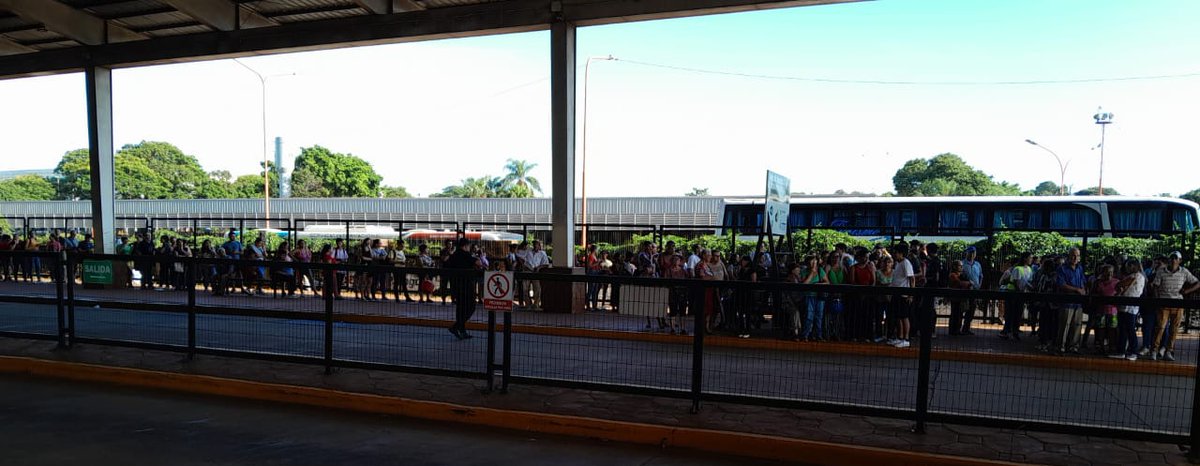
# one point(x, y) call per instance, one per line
point(836, 306)
point(427, 286)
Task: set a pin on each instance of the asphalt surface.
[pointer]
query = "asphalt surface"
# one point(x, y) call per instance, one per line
point(56, 423)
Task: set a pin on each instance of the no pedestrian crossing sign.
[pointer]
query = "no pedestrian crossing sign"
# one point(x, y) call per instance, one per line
point(498, 291)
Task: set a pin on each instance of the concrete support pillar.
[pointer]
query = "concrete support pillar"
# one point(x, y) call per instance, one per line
point(100, 151)
point(562, 139)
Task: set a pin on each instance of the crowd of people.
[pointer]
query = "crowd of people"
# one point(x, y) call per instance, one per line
point(1060, 328)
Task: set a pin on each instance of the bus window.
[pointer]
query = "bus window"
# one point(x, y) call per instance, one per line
point(954, 218)
point(1010, 218)
point(1140, 218)
point(798, 218)
point(820, 218)
point(866, 218)
point(1183, 220)
point(1074, 219)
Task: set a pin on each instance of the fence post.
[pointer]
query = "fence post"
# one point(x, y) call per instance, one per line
point(189, 278)
point(507, 352)
point(927, 328)
point(697, 306)
point(330, 282)
point(1194, 440)
point(70, 333)
point(60, 271)
point(491, 351)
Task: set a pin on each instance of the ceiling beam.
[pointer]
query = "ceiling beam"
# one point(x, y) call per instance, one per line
point(221, 15)
point(384, 7)
point(8, 47)
point(434, 23)
point(74, 24)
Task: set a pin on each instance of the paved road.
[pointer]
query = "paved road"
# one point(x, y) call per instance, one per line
point(1137, 401)
point(55, 423)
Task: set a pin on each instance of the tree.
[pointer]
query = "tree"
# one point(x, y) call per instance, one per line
point(1046, 188)
point(247, 187)
point(518, 175)
point(322, 173)
point(1092, 191)
point(697, 192)
point(74, 174)
point(136, 180)
point(468, 188)
point(394, 192)
point(26, 188)
point(182, 172)
point(947, 175)
point(1193, 195)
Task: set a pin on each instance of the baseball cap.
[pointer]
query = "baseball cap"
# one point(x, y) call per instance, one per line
point(1175, 255)
point(970, 249)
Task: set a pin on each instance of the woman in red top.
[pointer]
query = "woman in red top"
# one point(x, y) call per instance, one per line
point(858, 318)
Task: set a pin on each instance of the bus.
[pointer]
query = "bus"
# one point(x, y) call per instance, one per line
point(976, 216)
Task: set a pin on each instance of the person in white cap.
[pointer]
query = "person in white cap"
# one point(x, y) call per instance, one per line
point(1171, 282)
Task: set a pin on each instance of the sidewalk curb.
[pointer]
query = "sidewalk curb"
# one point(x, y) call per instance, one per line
point(721, 442)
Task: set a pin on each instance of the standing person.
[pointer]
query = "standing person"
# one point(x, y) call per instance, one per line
point(379, 278)
point(1131, 285)
point(1070, 279)
point(692, 260)
point(1171, 282)
point(524, 288)
point(743, 298)
point(591, 262)
point(955, 280)
point(703, 272)
point(1105, 317)
point(1046, 281)
point(794, 302)
point(6, 269)
point(285, 275)
point(396, 258)
point(462, 262)
point(144, 250)
point(425, 261)
point(720, 273)
point(677, 296)
point(902, 277)
point(1016, 280)
point(304, 276)
point(835, 274)
point(1149, 314)
point(166, 266)
point(881, 318)
point(972, 272)
point(858, 317)
point(814, 314)
point(538, 261)
point(934, 275)
point(181, 250)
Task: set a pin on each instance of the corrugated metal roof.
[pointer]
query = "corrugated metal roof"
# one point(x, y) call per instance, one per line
point(646, 211)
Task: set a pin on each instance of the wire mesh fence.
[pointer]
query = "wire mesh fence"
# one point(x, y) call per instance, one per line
point(835, 347)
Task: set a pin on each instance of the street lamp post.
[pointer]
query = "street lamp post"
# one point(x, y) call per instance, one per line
point(583, 174)
point(1103, 119)
point(1062, 168)
point(262, 80)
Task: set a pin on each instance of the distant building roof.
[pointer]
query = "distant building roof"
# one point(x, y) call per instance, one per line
point(6, 174)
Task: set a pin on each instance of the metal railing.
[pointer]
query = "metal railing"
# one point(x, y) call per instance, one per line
point(648, 338)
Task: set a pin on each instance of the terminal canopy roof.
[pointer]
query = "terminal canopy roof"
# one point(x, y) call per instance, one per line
point(57, 36)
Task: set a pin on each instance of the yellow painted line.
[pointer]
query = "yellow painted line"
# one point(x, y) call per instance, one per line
point(1092, 363)
point(707, 440)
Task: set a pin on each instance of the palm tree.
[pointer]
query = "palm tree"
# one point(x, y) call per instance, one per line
point(518, 175)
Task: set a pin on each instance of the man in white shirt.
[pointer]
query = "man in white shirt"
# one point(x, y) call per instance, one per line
point(692, 260)
point(537, 261)
point(903, 276)
point(1132, 285)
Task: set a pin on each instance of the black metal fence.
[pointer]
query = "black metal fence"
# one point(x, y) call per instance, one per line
point(669, 337)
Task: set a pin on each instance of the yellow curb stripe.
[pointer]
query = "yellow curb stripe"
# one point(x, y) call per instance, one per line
point(713, 441)
point(854, 349)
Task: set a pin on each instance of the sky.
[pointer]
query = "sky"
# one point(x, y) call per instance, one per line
point(705, 102)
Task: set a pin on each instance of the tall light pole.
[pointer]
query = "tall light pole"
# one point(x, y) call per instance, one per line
point(262, 80)
point(1103, 119)
point(583, 181)
point(1062, 168)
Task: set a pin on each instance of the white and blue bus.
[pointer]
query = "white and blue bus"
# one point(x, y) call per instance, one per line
point(977, 215)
